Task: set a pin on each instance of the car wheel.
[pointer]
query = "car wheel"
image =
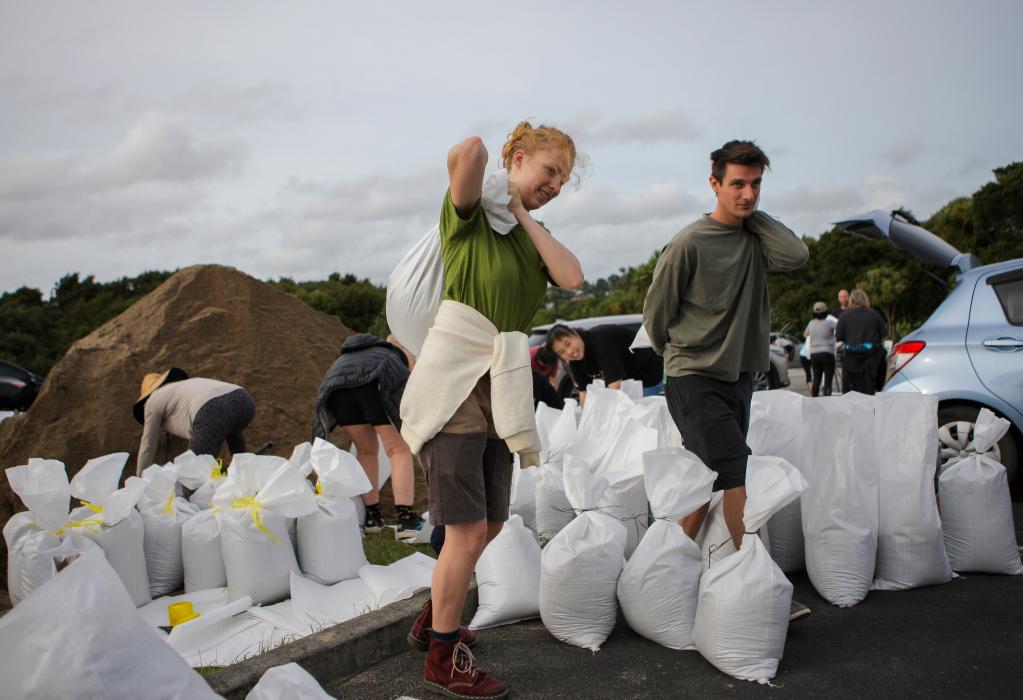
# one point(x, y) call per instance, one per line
point(762, 381)
point(955, 433)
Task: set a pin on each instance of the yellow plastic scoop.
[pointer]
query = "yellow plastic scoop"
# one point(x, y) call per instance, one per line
point(181, 612)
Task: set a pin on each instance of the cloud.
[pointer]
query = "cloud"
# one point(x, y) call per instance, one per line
point(904, 152)
point(651, 128)
point(606, 206)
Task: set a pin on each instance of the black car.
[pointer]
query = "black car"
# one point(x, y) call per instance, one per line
point(18, 387)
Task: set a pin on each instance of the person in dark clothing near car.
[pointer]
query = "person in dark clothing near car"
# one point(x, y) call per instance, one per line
point(602, 352)
point(545, 373)
point(361, 392)
point(862, 331)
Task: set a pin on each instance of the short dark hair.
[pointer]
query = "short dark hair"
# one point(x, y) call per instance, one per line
point(546, 357)
point(741, 152)
point(556, 333)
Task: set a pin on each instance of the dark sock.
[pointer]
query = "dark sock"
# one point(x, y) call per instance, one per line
point(404, 511)
point(445, 636)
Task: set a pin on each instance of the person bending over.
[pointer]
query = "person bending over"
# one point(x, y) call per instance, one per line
point(602, 352)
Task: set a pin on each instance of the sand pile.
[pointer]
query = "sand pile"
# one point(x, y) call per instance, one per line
point(209, 320)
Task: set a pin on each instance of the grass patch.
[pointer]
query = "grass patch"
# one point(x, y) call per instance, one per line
point(381, 548)
point(208, 670)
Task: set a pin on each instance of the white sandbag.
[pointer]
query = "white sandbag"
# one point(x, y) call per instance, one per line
point(659, 587)
point(400, 580)
point(508, 577)
point(553, 511)
point(714, 539)
point(79, 636)
point(287, 682)
point(323, 606)
point(254, 506)
point(414, 290)
point(976, 508)
point(562, 434)
point(201, 555)
point(163, 514)
point(302, 458)
point(579, 568)
point(34, 540)
point(652, 411)
point(622, 467)
point(546, 418)
point(776, 430)
point(606, 415)
point(523, 494)
point(910, 545)
point(633, 388)
point(743, 613)
point(329, 540)
point(122, 531)
point(840, 507)
point(200, 473)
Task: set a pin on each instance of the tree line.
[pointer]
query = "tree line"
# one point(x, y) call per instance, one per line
point(37, 331)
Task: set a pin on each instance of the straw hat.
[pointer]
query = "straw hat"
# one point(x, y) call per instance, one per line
point(150, 383)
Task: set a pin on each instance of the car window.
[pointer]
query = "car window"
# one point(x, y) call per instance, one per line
point(1009, 290)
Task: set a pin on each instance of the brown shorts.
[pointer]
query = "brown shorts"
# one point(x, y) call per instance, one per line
point(468, 468)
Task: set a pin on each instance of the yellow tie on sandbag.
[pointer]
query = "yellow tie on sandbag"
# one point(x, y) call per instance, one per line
point(90, 522)
point(252, 504)
point(319, 487)
point(93, 507)
point(215, 474)
point(169, 508)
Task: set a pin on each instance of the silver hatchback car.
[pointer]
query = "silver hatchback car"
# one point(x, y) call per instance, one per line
point(969, 353)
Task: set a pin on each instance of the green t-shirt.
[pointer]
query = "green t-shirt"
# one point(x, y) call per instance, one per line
point(502, 277)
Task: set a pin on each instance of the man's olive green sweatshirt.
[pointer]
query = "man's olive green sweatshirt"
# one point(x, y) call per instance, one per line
point(707, 310)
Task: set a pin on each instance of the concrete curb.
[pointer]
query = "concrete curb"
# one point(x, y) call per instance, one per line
point(336, 652)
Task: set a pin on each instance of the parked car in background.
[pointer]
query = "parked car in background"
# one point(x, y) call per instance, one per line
point(775, 378)
point(969, 353)
point(18, 387)
point(789, 343)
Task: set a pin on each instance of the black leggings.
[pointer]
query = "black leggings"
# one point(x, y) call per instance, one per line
point(219, 419)
point(823, 364)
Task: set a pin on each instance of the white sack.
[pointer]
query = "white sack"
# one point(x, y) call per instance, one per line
point(579, 568)
point(622, 467)
point(976, 508)
point(79, 636)
point(287, 682)
point(633, 388)
point(200, 473)
point(743, 613)
point(562, 433)
point(400, 580)
point(508, 577)
point(329, 540)
point(910, 546)
point(254, 507)
point(320, 605)
point(201, 555)
point(776, 430)
point(523, 494)
point(840, 507)
point(414, 291)
point(659, 587)
point(652, 411)
point(34, 540)
point(553, 511)
point(714, 539)
point(123, 545)
point(163, 514)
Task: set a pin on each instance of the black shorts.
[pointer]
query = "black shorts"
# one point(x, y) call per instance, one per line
point(358, 405)
point(713, 417)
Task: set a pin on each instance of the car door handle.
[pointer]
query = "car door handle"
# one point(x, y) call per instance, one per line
point(1003, 344)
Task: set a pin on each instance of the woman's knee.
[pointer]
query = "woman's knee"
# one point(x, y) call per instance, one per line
point(469, 537)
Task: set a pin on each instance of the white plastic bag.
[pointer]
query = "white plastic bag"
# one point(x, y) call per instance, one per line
point(287, 682)
point(579, 568)
point(776, 430)
point(122, 532)
point(163, 514)
point(743, 614)
point(553, 511)
point(976, 508)
point(79, 636)
point(200, 473)
point(201, 555)
point(254, 505)
point(34, 540)
point(508, 577)
point(910, 546)
point(840, 507)
point(414, 291)
point(329, 540)
point(523, 494)
point(622, 467)
point(659, 587)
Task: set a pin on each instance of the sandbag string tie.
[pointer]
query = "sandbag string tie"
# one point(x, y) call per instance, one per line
point(90, 523)
point(216, 472)
point(168, 509)
point(715, 547)
point(250, 502)
point(93, 507)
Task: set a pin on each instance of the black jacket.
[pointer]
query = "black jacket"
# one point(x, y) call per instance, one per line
point(365, 359)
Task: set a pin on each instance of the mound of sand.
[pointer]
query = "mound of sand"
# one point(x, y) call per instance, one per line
point(211, 321)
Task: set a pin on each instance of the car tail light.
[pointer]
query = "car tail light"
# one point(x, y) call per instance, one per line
point(902, 353)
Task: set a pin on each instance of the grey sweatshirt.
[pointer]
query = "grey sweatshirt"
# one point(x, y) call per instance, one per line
point(707, 310)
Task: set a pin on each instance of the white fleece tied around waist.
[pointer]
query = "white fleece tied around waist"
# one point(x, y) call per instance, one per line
point(461, 347)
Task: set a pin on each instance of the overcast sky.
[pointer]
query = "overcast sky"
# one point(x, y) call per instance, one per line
point(302, 138)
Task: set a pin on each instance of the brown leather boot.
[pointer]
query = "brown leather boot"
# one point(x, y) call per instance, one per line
point(419, 636)
point(451, 669)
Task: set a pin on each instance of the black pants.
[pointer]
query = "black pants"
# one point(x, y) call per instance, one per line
point(713, 417)
point(861, 370)
point(543, 391)
point(220, 419)
point(823, 364)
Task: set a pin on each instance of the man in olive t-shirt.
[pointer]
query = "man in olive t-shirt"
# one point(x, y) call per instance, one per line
point(708, 312)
